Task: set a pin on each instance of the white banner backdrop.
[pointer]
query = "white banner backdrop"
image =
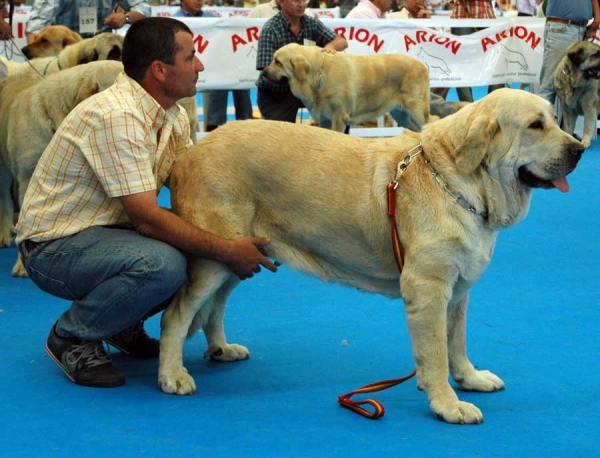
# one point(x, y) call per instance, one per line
point(507, 50)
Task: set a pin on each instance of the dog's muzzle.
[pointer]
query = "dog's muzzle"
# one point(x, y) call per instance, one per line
point(281, 79)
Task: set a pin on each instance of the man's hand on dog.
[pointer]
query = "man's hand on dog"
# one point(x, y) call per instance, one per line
point(244, 256)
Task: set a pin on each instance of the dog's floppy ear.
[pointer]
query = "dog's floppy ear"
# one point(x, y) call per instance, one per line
point(301, 67)
point(71, 39)
point(576, 56)
point(471, 151)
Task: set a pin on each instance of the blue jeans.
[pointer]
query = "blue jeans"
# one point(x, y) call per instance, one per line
point(557, 38)
point(114, 278)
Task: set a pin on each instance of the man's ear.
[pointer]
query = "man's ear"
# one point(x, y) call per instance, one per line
point(158, 71)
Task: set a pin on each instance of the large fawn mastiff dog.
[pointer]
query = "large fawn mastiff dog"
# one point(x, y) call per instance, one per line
point(321, 197)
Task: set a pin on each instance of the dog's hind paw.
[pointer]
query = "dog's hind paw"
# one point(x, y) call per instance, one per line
point(483, 381)
point(178, 383)
point(458, 412)
point(18, 269)
point(227, 353)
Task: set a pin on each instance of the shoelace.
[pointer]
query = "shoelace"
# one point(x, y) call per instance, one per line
point(90, 354)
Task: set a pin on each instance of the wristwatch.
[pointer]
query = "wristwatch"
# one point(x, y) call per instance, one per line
point(127, 18)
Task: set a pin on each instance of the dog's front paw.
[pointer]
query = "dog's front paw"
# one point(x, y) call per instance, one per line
point(483, 381)
point(457, 412)
point(179, 382)
point(227, 353)
point(587, 142)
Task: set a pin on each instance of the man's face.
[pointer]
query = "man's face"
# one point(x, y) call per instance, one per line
point(192, 6)
point(183, 74)
point(293, 8)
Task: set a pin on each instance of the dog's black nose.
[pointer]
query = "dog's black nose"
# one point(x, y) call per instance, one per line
point(26, 52)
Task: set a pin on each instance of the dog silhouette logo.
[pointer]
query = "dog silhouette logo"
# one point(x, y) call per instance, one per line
point(433, 62)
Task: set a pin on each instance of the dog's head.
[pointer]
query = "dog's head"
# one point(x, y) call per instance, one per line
point(584, 56)
point(291, 62)
point(105, 46)
point(511, 142)
point(50, 41)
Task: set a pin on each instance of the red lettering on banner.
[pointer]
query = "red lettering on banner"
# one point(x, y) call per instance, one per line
point(20, 30)
point(163, 14)
point(424, 36)
point(251, 35)
point(521, 32)
point(362, 36)
point(200, 43)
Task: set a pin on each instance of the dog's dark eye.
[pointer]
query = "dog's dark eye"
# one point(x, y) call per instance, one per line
point(536, 125)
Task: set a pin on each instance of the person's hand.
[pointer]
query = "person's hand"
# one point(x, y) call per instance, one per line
point(329, 49)
point(5, 30)
point(423, 14)
point(244, 256)
point(115, 20)
point(592, 29)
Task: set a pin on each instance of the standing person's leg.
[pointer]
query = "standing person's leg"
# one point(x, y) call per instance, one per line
point(114, 278)
point(242, 103)
point(217, 109)
point(557, 38)
point(278, 106)
point(465, 94)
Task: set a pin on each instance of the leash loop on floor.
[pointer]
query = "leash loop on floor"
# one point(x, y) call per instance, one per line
point(344, 400)
point(378, 409)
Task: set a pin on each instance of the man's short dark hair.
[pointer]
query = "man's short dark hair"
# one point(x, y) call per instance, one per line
point(150, 39)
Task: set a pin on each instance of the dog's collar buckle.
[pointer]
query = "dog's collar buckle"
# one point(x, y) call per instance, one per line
point(404, 163)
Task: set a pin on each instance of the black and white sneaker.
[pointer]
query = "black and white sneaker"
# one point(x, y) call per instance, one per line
point(84, 363)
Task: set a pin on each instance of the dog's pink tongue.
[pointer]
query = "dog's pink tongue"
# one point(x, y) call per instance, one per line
point(561, 184)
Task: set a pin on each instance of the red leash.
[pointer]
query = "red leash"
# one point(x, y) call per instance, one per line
point(344, 400)
point(378, 409)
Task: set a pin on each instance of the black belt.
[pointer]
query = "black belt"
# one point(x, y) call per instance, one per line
point(567, 21)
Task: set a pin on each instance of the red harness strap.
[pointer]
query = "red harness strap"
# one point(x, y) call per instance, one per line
point(344, 400)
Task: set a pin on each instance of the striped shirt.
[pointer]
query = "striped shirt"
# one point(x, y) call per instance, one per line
point(115, 143)
point(473, 9)
point(277, 33)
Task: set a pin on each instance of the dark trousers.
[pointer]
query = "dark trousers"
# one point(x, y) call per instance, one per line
point(278, 106)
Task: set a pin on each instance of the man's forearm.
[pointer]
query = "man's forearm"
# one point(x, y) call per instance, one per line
point(161, 224)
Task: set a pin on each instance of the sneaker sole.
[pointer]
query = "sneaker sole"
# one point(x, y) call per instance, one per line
point(70, 377)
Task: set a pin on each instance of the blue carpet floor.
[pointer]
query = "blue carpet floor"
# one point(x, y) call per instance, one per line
point(534, 320)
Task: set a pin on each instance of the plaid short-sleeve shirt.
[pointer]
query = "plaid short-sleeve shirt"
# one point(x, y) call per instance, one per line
point(116, 143)
point(473, 9)
point(277, 33)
